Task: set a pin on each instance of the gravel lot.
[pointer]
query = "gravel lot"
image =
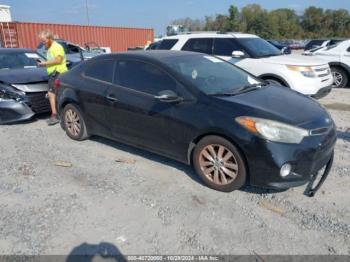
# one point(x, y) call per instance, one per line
point(57, 194)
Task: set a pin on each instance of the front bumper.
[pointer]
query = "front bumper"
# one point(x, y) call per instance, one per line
point(322, 92)
point(265, 160)
point(12, 111)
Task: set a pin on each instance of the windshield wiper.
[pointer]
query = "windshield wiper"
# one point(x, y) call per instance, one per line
point(243, 89)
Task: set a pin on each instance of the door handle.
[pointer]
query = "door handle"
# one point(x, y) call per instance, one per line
point(112, 98)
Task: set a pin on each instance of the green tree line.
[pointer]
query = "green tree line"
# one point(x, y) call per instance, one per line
point(281, 23)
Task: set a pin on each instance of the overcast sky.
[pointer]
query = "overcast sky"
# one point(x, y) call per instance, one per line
point(155, 14)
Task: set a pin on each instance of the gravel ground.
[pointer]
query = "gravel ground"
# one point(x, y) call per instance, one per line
point(57, 195)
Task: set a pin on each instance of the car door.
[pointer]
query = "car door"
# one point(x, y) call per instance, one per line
point(94, 83)
point(223, 48)
point(345, 56)
point(201, 45)
point(134, 113)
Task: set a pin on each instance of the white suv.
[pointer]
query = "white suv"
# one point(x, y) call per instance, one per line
point(338, 57)
point(307, 75)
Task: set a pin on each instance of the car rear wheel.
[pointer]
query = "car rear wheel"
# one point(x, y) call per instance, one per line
point(340, 77)
point(219, 164)
point(74, 123)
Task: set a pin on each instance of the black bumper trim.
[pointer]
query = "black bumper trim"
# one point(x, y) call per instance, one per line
point(311, 190)
point(322, 92)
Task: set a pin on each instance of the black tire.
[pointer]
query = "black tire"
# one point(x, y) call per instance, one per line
point(231, 183)
point(275, 82)
point(340, 77)
point(70, 111)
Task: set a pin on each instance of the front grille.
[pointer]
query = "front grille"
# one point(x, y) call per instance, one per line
point(320, 131)
point(38, 102)
point(322, 71)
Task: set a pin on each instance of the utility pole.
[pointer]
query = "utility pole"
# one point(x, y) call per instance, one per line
point(87, 12)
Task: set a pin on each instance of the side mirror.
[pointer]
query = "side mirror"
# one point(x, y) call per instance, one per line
point(238, 54)
point(168, 96)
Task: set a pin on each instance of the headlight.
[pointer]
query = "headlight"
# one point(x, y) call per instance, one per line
point(7, 92)
point(273, 130)
point(304, 70)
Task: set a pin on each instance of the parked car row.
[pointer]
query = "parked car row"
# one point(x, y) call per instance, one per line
point(338, 57)
point(307, 75)
point(319, 43)
point(222, 105)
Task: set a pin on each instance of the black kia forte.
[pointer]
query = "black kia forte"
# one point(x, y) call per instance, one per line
point(233, 128)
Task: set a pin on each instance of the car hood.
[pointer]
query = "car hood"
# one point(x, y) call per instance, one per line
point(280, 104)
point(23, 76)
point(298, 60)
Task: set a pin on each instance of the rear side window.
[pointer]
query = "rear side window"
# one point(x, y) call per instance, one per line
point(144, 77)
point(101, 70)
point(167, 44)
point(201, 45)
point(225, 46)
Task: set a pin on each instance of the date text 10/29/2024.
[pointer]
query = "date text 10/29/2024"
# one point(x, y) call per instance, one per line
point(173, 258)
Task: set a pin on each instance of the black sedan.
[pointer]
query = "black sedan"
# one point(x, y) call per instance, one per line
point(203, 111)
point(23, 85)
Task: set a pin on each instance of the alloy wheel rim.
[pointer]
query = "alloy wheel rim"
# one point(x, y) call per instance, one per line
point(218, 164)
point(338, 79)
point(72, 122)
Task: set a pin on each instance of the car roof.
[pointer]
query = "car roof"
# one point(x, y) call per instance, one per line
point(211, 35)
point(16, 50)
point(155, 55)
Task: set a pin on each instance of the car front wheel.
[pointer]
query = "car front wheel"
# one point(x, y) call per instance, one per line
point(74, 123)
point(219, 164)
point(340, 77)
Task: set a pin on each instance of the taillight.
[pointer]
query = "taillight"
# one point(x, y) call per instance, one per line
point(57, 83)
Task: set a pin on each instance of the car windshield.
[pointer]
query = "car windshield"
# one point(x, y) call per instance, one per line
point(211, 75)
point(258, 47)
point(19, 60)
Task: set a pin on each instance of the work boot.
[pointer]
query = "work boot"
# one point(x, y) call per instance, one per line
point(53, 120)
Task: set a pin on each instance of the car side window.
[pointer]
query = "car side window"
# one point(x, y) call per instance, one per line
point(225, 46)
point(201, 45)
point(348, 50)
point(143, 77)
point(72, 49)
point(101, 70)
point(167, 44)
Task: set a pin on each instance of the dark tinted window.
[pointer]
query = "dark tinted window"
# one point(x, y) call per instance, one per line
point(257, 47)
point(314, 43)
point(144, 77)
point(167, 44)
point(101, 70)
point(153, 46)
point(202, 45)
point(334, 41)
point(225, 46)
point(72, 49)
